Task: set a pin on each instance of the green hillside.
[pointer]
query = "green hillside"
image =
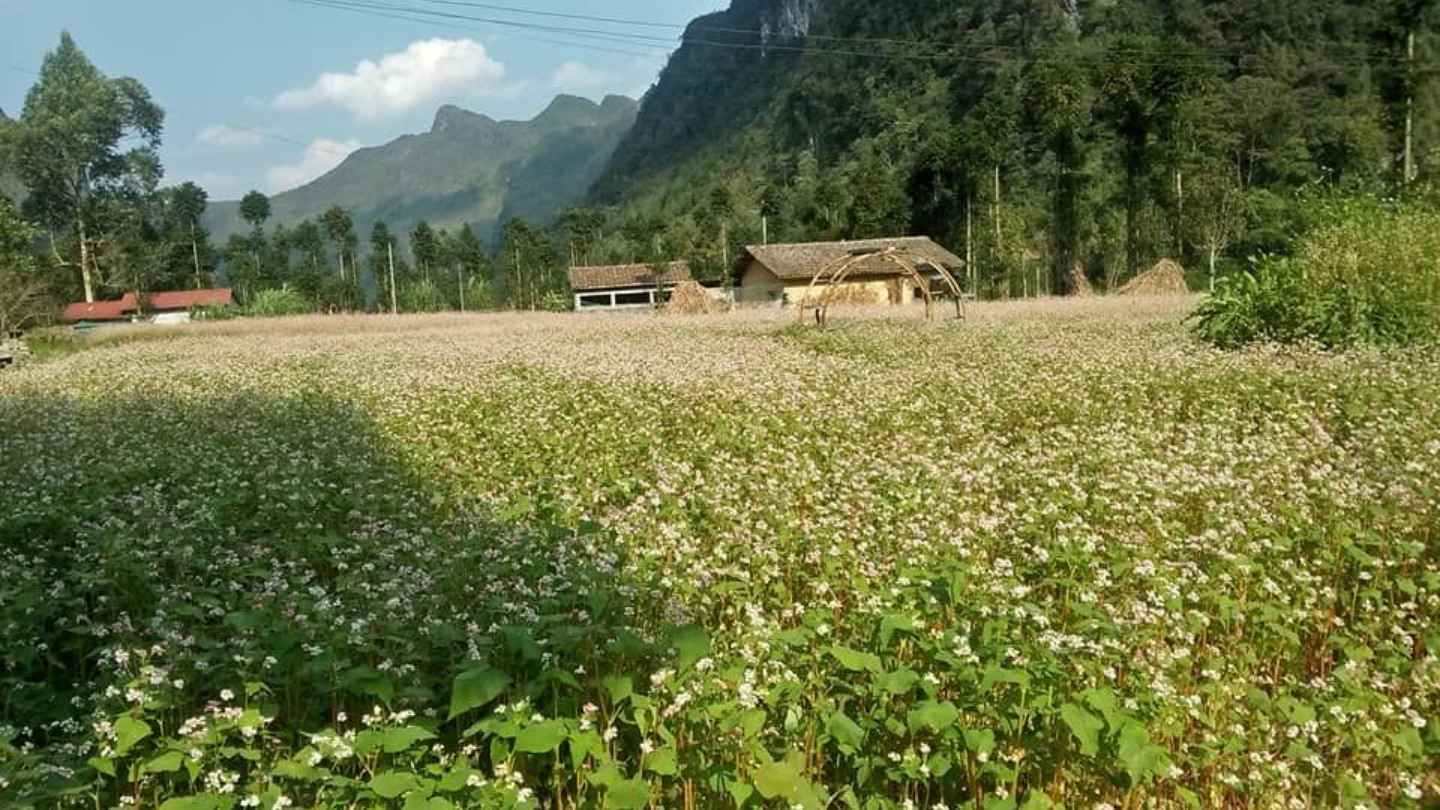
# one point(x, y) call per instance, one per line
point(468, 168)
point(1066, 131)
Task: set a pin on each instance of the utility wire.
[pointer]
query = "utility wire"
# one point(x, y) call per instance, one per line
point(940, 53)
point(655, 49)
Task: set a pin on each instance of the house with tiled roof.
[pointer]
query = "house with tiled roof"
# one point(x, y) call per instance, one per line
point(162, 307)
point(781, 274)
point(625, 286)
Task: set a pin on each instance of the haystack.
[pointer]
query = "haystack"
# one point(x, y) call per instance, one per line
point(1165, 278)
point(689, 298)
point(1079, 282)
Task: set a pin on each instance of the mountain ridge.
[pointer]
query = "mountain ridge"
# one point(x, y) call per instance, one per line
point(468, 168)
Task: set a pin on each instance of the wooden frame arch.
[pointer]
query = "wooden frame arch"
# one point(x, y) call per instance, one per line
point(835, 273)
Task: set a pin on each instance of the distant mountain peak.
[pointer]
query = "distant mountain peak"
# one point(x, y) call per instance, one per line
point(450, 117)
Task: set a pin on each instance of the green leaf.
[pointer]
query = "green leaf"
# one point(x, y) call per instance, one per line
point(474, 688)
point(856, 661)
point(692, 643)
point(128, 732)
point(899, 682)
point(618, 686)
point(1085, 726)
point(628, 794)
point(999, 675)
point(934, 715)
point(980, 741)
point(895, 623)
point(782, 780)
point(542, 737)
point(1142, 759)
point(103, 765)
point(400, 739)
point(393, 784)
point(1037, 801)
point(1408, 739)
point(845, 731)
point(662, 761)
point(165, 763)
point(740, 791)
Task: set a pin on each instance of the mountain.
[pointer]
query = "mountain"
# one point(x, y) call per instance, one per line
point(469, 168)
point(1069, 130)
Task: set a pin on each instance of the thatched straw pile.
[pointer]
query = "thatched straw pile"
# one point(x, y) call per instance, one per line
point(1165, 278)
point(689, 298)
point(1080, 282)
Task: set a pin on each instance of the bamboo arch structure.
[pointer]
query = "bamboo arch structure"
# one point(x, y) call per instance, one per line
point(835, 273)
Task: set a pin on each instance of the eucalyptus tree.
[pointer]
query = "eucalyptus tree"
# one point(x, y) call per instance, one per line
point(71, 144)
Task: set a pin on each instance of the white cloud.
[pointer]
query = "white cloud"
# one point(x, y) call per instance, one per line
point(581, 79)
point(227, 137)
point(403, 81)
point(322, 155)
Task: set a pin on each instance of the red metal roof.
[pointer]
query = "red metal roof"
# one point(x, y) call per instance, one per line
point(185, 299)
point(174, 301)
point(100, 310)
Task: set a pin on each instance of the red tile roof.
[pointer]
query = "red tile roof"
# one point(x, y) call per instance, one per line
point(185, 299)
point(100, 310)
point(175, 301)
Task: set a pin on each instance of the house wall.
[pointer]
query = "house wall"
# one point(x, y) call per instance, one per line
point(759, 286)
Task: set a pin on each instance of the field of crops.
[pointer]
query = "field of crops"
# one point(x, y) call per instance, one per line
point(1060, 555)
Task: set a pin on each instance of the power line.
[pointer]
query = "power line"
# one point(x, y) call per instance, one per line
point(938, 53)
point(554, 14)
point(655, 49)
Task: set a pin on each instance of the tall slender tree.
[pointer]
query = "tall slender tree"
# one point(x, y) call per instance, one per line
point(341, 229)
point(187, 205)
point(71, 139)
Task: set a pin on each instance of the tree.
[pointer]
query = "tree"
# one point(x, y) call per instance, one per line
point(425, 248)
point(308, 241)
point(387, 275)
point(69, 142)
point(878, 205)
point(22, 286)
point(1060, 101)
point(255, 209)
point(187, 205)
point(472, 267)
point(341, 229)
point(1217, 215)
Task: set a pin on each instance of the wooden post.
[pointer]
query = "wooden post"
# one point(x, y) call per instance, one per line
point(460, 274)
point(764, 229)
point(394, 299)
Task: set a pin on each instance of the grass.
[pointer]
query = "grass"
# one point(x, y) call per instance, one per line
point(1058, 554)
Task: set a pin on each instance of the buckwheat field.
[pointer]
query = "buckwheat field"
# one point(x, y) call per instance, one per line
point(1058, 555)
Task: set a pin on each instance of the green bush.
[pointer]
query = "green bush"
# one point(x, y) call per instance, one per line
point(422, 296)
point(1368, 274)
point(556, 301)
point(279, 303)
point(215, 313)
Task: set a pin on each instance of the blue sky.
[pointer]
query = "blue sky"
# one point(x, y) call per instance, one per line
point(318, 82)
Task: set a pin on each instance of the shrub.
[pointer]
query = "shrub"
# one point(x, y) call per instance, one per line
point(422, 296)
point(556, 301)
point(1368, 274)
point(215, 313)
point(279, 303)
